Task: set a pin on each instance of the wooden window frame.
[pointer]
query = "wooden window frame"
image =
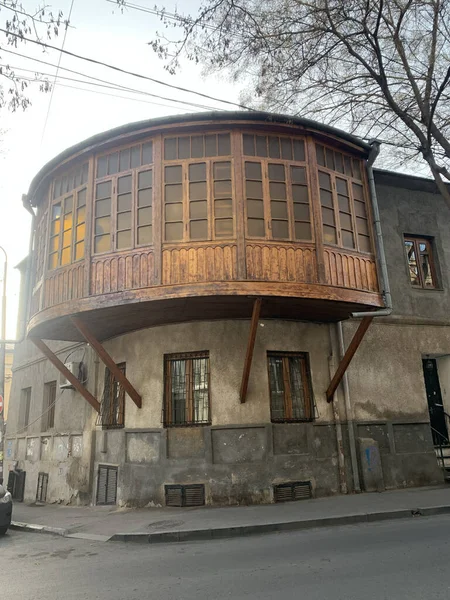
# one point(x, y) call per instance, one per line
point(205, 157)
point(113, 388)
point(306, 384)
point(48, 419)
point(189, 403)
point(416, 241)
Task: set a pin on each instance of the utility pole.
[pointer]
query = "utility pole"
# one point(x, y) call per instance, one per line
point(2, 363)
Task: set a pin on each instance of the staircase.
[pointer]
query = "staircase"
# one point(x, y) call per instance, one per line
point(442, 449)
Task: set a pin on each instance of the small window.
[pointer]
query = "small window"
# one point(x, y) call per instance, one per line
point(290, 387)
point(112, 410)
point(48, 418)
point(186, 398)
point(421, 264)
point(24, 412)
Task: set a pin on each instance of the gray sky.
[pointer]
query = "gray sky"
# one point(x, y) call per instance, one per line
point(98, 30)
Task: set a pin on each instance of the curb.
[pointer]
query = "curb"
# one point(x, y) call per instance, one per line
point(195, 535)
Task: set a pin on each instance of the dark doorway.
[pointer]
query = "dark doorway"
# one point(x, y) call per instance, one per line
point(434, 397)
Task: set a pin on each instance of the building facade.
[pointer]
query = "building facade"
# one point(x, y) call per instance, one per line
point(195, 284)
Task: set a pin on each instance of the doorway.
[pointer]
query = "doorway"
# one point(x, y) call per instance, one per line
point(435, 407)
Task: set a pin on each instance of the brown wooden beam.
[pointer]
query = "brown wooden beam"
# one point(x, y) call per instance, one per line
point(66, 373)
point(107, 360)
point(250, 348)
point(346, 359)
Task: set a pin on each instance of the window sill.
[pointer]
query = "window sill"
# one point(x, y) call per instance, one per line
point(278, 421)
point(175, 425)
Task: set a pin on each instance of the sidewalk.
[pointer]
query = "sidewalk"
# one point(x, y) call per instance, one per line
point(152, 525)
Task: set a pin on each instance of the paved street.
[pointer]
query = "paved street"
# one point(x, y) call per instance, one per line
point(391, 560)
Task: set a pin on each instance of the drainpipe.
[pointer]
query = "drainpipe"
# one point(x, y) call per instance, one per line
point(22, 328)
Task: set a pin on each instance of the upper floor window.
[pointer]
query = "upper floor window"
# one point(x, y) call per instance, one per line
point(67, 229)
point(197, 146)
point(112, 409)
point(48, 416)
point(124, 160)
point(40, 241)
point(290, 387)
point(70, 181)
point(421, 264)
point(24, 409)
point(270, 146)
point(186, 392)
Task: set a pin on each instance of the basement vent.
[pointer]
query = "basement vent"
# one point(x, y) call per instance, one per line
point(16, 484)
point(297, 490)
point(42, 485)
point(106, 485)
point(185, 495)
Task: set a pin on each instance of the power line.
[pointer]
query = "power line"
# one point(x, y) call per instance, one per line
point(120, 70)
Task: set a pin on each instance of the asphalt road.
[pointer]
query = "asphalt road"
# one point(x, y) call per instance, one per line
point(395, 560)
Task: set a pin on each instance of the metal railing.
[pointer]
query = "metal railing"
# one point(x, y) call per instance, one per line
point(440, 442)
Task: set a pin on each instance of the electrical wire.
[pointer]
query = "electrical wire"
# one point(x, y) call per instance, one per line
point(124, 71)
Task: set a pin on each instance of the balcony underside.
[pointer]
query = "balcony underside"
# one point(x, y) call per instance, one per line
point(114, 314)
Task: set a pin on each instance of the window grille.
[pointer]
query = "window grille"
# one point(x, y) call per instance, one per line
point(112, 408)
point(290, 387)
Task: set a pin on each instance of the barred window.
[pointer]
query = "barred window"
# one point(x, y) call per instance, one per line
point(186, 397)
point(112, 410)
point(421, 264)
point(290, 387)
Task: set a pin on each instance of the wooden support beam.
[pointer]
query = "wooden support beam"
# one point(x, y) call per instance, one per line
point(107, 360)
point(66, 373)
point(346, 359)
point(250, 348)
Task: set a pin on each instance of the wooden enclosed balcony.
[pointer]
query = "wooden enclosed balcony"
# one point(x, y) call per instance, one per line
point(192, 218)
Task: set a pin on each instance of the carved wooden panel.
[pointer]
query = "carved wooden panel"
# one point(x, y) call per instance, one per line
point(350, 271)
point(122, 272)
point(64, 284)
point(281, 263)
point(203, 263)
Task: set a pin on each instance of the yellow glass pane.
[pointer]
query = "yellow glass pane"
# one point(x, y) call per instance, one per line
point(68, 222)
point(54, 244)
point(81, 232)
point(79, 250)
point(65, 256)
point(81, 215)
point(67, 239)
point(53, 261)
point(102, 243)
point(56, 227)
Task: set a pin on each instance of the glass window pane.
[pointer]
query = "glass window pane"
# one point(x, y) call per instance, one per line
point(364, 243)
point(145, 235)
point(56, 211)
point(346, 221)
point(102, 243)
point(276, 172)
point(426, 266)
point(362, 226)
point(197, 150)
point(102, 225)
point(412, 263)
point(53, 261)
point(320, 154)
point(261, 145)
point(103, 190)
point(223, 208)
point(347, 239)
point(170, 149)
point(67, 238)
point(67, 222)
point(324, 180)
point(145, 197)
point(276, 382)
point(198, 210)
point(280, 229)
point(77, 177)
point(174, 212)
point(328, 216)
point(300, 193)
point(123, 239)
point(54, 243)
point(197, 172)
point(299, 150)
point(360, 209)
point(344, 203)
point(184, 147)
point(347, 165)
point(124, 202)
point(199, 230)
point(357, 191)
point(277, 190)
point(144, 216)
point(124, 220)
point(102, 166)
point(210, 145)
point(255, 208)
point(256, 227)
point(278, 210)
point(224, 144)
point(339, 162)
point(113, 163)
point(329, 235)
point(145, 179)
point(224, 227)
point(286, 148)
point(135, 157)
point(65, 256)
point(174, 193)
point(79, 250)
point(222, 189)
point(341, 186)
point(301, 212)
point(253, 170)
point(298, 175)
point(356, 169)
point(103, 207)
point(303, 231)
point(124, 184)
point(147, 153)
point(84, 173)
point(249, 144)
point(330, 158)
point(326, 198)
point(80, 232)
point(254, 189)
point(56, 227)
point(81, 198)
point(274, 147)
point(173, 174)
point(68, 205)
point(124, 160)
point(222, 170)
point(197, 191)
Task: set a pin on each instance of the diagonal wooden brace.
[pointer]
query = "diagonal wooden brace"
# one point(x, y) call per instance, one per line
point(66, 373)
point(107, 360)
point(250, 348)
point(346, 359)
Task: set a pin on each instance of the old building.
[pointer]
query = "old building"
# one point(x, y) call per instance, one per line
point(198, 279)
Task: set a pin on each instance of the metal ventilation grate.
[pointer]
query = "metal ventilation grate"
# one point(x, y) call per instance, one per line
point(42, 485)
point(106, 485)
point(296, 490)
point(185, 495)
point(16, 484)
